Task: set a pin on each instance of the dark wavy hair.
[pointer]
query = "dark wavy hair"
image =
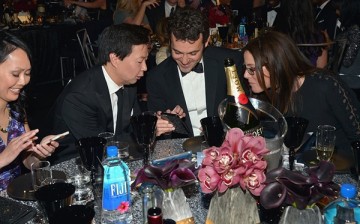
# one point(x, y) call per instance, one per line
point(187, 24)
point(297, 20)
point(350, 13)
point(280, 55)
point(8, 44)
point(120, 39)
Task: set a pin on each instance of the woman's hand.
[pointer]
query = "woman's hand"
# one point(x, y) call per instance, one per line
point(150, 3)
point(46, 147)
point(16, 146)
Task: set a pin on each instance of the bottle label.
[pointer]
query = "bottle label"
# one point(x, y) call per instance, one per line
point(116, 189)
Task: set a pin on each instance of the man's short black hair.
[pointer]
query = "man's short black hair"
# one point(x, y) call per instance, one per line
point(119, 39)
point(187, 24)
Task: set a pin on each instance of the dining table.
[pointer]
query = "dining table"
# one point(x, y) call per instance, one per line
point(162, 149)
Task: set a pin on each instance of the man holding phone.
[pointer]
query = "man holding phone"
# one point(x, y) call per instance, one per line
point(193, 78)
point(103, 98)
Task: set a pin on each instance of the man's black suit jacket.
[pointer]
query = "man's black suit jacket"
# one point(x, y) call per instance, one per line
point(84, 109)
point(326, 20)
point(164, 87)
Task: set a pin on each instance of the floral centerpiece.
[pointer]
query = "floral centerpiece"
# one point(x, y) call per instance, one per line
point(171, 177)
point(231, 171)
point(299, 190)
point(238, 161)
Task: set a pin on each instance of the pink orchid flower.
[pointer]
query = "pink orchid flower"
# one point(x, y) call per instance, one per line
point(210, 155)
point(209, 179)
point(254, 182)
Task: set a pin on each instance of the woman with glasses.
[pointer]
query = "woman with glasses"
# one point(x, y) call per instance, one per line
point(275, 66)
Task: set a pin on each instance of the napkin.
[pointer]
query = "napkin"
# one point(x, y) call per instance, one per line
point(13, 212)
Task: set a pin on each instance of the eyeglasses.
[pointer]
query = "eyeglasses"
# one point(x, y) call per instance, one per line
point(250, 70)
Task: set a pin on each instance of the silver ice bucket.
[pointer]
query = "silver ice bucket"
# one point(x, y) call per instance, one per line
point(275, 128)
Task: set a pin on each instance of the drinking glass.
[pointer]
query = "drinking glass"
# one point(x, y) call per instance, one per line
point(144, 126)
point(123, 149)
point(213, 130)
point(91, 150)
point(80, 178)
point(41, 174)
point(223, 32)
point(294, 135)
point(108, 136)
point(325, 142)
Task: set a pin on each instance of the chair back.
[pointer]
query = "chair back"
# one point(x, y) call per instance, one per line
point(336, 55)
point(87, 50)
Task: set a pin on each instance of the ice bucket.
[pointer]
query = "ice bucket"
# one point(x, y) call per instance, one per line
point(275, 128)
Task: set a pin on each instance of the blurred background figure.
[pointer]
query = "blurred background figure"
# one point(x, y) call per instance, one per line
point(325, 16)
point(165, 9)
point(295, 19)
point(133, 12)
point(267, 12)
point(350, 21)
point(220, 14)
point(162, 34)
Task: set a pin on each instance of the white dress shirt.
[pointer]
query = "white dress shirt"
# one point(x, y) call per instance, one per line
point(271, 15)
point(168, 9)
point(113, 88)
point(193, 87)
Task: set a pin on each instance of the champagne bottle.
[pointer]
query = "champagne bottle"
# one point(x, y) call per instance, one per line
point(239, 111)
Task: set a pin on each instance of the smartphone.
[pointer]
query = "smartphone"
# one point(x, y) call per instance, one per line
point(180, 126)
point(59, 136)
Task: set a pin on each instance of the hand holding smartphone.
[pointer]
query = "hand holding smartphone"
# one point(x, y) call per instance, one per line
point(59, 136)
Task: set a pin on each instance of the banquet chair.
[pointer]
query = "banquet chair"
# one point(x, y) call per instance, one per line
point(86, 46)
point(67, 66)
point(336, 54)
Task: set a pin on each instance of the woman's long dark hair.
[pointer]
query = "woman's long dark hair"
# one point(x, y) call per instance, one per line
point(279, 54)
point(8, 44)
point(297, 20)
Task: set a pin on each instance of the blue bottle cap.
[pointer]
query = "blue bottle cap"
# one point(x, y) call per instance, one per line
point(348, 191)
point(111, 151)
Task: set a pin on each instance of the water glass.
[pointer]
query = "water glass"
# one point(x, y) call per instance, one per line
point(41, 174)
point(213, 130)
point(123, 149)
point(325, 142)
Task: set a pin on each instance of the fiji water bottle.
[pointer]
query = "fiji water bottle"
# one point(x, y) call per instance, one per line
point(345, 209)
point(116, 201)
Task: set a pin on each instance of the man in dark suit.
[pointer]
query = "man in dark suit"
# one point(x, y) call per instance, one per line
point(103, 98)
point(325, 16)
point(194, 77)
point(163, 10)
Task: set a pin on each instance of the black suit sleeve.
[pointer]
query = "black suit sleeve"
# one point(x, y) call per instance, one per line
point(80, 116)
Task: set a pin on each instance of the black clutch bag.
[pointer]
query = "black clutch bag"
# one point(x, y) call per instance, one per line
point(13, 212)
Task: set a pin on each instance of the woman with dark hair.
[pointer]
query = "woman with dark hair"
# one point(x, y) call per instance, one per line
point(295, 19)
point(274, 65)
point(350, 21)
point(16, 139)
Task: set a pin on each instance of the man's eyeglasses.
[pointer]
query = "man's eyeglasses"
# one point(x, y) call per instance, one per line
point(250, 70)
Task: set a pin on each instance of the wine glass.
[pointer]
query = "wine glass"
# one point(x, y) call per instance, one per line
point(144, 127)
point(91, 154)
point(294, 136)
point(223, 32)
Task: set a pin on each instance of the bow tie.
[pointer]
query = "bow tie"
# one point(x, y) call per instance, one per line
point(273, 9)
point(198, 69)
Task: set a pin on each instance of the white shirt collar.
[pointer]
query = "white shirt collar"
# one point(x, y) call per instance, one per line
point(324, 4)
point(112, 86)
point(168, 9)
